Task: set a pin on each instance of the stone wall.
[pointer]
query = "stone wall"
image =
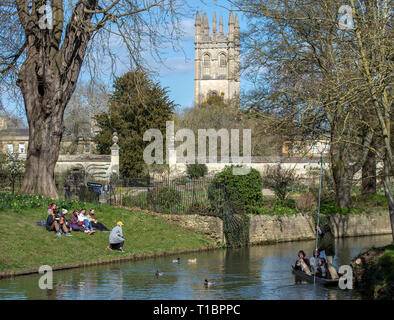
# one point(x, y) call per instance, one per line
point(362, 224)
point(305, 167)
point(210, 226)
point(270, 229)
point(266, 229)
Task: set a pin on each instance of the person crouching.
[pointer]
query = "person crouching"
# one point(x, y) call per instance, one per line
point(116, 239)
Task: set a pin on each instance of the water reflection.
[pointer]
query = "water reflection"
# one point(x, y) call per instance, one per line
point(261, 272)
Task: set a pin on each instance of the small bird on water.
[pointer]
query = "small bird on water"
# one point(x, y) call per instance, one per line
point(207, 283)
point(158, 274)
point(178, 260)
point(192, 260)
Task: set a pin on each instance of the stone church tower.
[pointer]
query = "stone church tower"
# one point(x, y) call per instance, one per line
point(217, 59)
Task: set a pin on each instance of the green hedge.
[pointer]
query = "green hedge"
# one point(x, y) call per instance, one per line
point(164, 197)
point(196, 170)
point(240, 190)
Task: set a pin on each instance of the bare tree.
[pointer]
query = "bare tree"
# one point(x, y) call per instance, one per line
point(87, 101)
point(44, 54)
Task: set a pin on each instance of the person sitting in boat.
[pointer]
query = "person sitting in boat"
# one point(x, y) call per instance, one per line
point(322, 270)
point(302, 263)
point(327, 244)
point(314, 260)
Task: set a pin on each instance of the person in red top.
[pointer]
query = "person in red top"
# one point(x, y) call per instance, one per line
point(302, 263)
point(51, 209)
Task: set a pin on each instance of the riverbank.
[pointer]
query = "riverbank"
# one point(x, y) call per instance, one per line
point(374, 273)
point(25, 246)
point(268, 229)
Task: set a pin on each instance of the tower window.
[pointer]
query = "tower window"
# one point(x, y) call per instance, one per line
point(207, 64)
point(222, 64)
point(222, 60)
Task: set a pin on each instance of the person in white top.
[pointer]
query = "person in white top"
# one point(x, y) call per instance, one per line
point(84, 218)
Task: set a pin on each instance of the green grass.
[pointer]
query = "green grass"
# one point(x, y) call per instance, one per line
point(25, 245)
point(385, 273)
point(370, 201)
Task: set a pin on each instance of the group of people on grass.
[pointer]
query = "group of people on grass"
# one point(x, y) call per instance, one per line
point(82, 221)
point(318, 265)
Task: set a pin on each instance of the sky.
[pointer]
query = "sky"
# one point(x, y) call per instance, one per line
point(177, 71)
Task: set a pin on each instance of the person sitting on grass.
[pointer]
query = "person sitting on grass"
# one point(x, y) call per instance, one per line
point(95, 224)
point(116, 239)
point(55, 223)
point(302, 263)
point(51, 208)
point(74, 223)
point(84, 219)
point(62, 215)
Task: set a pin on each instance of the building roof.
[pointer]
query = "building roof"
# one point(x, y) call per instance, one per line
point(23, 132)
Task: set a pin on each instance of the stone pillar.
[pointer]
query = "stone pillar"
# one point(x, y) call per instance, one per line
point(114, 167)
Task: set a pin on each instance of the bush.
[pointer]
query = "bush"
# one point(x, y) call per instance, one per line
point(279, 180)
point(240, 190)
point(370, 201)
point(180, 180)
point(329, 206)
point(305, 202)
point(279, 208)
point(165, 197)
point(196, 170)
point(201, 208)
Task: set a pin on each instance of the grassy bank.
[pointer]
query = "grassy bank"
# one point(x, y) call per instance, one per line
point(374, 273)
point(25, 245)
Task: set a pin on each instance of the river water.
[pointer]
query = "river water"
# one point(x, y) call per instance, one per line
point(258, 272)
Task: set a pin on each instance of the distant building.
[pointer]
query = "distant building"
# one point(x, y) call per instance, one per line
point(305, 148)
point(12, 140)
point(217, 60)
point(16, 140)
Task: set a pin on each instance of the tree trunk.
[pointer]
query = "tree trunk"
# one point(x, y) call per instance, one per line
point(47, 80)
point(387, 190)
point(45, 133)
point(342, 178)
point(343, 191)
point(368, 184)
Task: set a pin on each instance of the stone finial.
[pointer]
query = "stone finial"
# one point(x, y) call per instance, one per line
point(231, 27)
point(198, 19)
point(237, 30)
point(214, 22)
point(206, 24)
point(231, 19)
point(115, 138)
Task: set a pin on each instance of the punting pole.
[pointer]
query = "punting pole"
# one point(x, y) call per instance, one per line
point(318, 208)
